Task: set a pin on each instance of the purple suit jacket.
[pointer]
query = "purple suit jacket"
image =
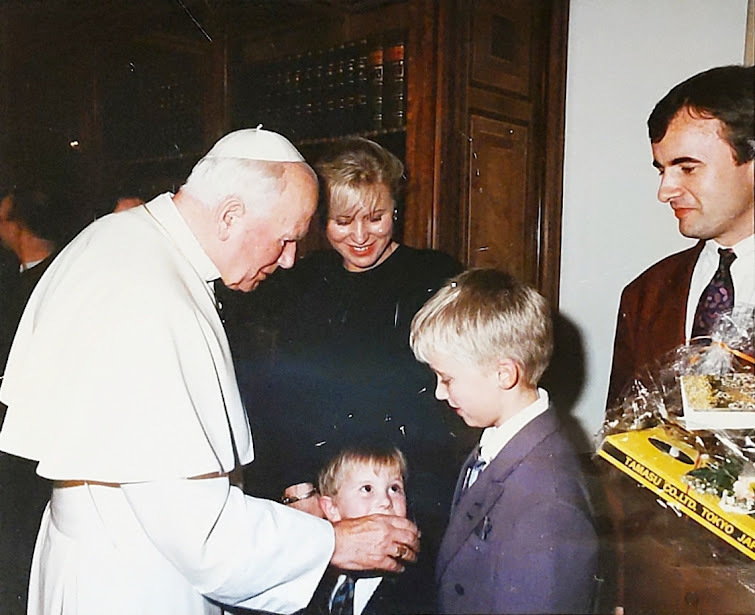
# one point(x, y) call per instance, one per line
point(651, 316)
point(521, 539)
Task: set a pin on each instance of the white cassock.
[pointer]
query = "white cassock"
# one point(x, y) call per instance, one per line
point(121, 373)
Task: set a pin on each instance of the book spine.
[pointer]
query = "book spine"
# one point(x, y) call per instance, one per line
point(375, 69)
point(394, 87)
point(362, 110)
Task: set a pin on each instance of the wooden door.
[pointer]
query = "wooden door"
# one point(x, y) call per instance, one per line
point(497, 137)
point(500, 226)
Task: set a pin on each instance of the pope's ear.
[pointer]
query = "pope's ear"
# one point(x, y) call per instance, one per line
point(509, 373)
point(329, 508)
point(229, 212)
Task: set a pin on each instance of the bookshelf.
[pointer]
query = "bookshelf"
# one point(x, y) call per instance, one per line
point(357, 87)
point(317, 82)
point(469, 93)
point(143, 86)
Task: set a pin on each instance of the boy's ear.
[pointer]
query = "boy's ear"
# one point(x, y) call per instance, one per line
point(229, 212)
point(509, 373)
point(329, 508)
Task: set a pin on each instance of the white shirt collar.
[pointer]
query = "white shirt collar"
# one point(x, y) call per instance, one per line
point(744, 249)
point(26, 266)
point(493, 439)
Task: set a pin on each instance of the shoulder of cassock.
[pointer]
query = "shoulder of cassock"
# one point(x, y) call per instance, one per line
point(120, 370)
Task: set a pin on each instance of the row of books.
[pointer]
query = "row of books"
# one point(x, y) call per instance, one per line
point(152, 108)
point(356, 87)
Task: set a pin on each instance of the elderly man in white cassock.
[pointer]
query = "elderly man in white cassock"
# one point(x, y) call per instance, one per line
point(120, 384)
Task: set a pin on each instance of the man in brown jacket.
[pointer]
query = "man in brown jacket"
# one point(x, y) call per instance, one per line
point(703, 144)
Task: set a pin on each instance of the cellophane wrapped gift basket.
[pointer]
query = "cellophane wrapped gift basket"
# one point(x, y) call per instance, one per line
point(685, 429)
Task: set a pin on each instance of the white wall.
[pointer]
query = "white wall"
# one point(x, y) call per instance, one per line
point(623, 56)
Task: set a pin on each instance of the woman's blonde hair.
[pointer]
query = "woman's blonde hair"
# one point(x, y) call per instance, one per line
point(353, 167)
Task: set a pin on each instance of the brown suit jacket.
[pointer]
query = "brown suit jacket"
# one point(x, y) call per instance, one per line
point(651, 316)
point(665, 564)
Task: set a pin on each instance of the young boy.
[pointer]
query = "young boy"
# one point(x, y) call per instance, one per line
point(361, 480)
point(520, 538)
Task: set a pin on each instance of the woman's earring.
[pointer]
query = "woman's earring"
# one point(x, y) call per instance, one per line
point(395, 215)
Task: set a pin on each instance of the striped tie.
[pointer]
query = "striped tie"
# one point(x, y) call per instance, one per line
point(474, 468)
point(343, 600)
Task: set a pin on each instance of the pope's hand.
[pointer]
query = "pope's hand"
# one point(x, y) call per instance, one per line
point(375, 542)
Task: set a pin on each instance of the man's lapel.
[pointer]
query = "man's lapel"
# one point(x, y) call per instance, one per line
point(665, 306)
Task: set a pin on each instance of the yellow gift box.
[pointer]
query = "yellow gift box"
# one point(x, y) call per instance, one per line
point(658, 461)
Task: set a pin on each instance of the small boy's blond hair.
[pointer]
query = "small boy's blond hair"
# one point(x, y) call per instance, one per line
point(376, 455)
point(484, 315)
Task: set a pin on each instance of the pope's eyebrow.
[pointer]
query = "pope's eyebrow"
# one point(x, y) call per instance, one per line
point(297, 236)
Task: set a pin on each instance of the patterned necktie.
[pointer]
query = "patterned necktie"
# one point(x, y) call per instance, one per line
point(474, 468)
point(343, 599)
point(717, 297)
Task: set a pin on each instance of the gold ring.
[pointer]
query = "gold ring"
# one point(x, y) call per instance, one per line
point(400, 551)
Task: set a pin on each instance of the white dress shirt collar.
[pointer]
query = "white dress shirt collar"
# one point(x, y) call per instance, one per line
point(746, 247)
point(31, 264)
point(493, 439)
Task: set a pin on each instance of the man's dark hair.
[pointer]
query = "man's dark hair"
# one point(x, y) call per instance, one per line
point(34, 209)
point(724, 93)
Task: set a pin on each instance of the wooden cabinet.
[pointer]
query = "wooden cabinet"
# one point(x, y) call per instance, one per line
point(132, 93)
point(498, 182)
point(499, 229)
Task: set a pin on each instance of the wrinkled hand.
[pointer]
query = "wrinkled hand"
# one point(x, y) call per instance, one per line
point(375, 542)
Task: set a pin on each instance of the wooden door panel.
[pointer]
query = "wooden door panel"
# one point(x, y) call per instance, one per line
point(502, 44)
point(497, 218)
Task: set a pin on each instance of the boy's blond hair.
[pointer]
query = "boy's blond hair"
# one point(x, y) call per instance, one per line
point(376, 455)
point(484, 315)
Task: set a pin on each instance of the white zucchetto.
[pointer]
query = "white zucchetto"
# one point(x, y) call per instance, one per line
point(255, 144)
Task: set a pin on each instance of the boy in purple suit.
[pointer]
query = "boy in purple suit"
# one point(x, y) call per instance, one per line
point(520, 538)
